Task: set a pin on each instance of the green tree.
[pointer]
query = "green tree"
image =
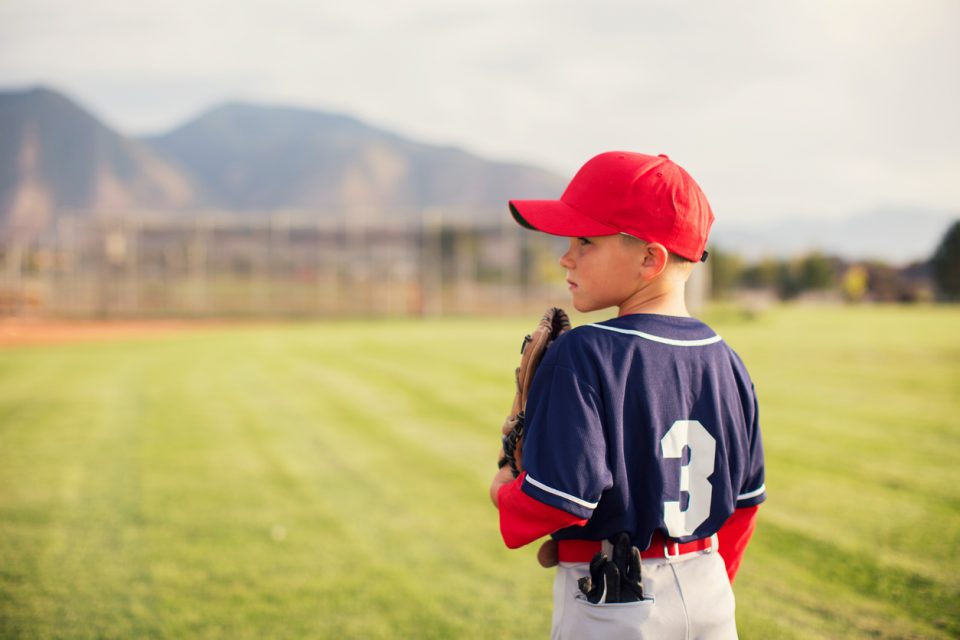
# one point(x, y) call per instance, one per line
point(726, 270)
point(816, 271)
point(946, 263)
point(766, 274)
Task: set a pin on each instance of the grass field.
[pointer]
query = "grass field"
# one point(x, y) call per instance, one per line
point(329, 480)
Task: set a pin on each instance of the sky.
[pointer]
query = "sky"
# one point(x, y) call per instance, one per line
point(824, 108)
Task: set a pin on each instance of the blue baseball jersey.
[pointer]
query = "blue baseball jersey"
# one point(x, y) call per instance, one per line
point(640, 423)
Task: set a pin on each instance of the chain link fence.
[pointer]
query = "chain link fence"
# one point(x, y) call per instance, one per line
point(435, 262)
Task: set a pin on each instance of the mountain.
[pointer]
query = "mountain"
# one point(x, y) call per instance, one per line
point(255, 158)
point(55, 156)
point(893, 235)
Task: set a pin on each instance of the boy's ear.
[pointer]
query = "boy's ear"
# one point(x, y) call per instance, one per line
point(655, 260)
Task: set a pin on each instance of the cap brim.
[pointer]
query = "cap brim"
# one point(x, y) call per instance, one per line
point(557, 218)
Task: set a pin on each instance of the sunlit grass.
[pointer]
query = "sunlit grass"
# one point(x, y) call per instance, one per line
point(329, 480)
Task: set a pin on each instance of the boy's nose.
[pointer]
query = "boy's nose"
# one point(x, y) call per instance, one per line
point(565, 261)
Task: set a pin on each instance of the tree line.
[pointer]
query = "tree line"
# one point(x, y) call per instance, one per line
point(818, 274)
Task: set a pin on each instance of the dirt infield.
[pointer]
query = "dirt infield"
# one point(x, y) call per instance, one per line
point(16, 332)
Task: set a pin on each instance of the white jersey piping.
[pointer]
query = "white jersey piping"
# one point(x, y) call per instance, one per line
point(752, 494)
point(660, 339)
point(565, 496)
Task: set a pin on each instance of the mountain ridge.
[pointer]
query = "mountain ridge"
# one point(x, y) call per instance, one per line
point(248, 158)
point(55, 156)
point(263, 156)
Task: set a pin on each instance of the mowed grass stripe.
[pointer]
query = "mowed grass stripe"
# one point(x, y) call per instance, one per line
point(358, 557)
point(71, 480)
point(369, 458)
point(870, 585)
point(350, 418)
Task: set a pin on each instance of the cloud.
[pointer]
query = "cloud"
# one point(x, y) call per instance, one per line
point(816, 107)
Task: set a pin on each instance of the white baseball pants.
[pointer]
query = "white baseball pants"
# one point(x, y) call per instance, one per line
point(685, 598)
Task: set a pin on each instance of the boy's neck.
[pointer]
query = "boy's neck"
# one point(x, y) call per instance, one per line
point(661, 300)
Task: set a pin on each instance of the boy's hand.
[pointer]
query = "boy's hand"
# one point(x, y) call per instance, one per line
point(503, 476)
point(549, 554)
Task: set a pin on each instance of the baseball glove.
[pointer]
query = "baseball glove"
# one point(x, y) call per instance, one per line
point(552, 325)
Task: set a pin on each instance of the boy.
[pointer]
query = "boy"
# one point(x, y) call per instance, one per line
point(644, 425)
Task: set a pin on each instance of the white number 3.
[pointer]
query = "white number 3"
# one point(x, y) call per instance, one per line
point(694, 476)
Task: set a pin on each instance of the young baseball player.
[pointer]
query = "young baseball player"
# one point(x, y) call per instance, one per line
point(645, 424)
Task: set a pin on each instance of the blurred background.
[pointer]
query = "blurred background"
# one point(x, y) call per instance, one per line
point(209, 159)
point(284, 227)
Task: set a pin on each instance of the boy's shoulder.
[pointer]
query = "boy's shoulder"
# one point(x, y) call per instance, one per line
point(599, 340)
point(658, 335)
point(660, 329)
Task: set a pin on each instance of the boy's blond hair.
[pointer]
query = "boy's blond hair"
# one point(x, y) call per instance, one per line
point(676, 264)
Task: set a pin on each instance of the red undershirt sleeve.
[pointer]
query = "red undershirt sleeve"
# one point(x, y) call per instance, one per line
point(734, 536)
point(523, 519)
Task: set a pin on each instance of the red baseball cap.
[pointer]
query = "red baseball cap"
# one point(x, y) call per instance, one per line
point(649, 197)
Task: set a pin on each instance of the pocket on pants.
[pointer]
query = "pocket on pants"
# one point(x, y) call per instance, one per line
point(608, 621)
